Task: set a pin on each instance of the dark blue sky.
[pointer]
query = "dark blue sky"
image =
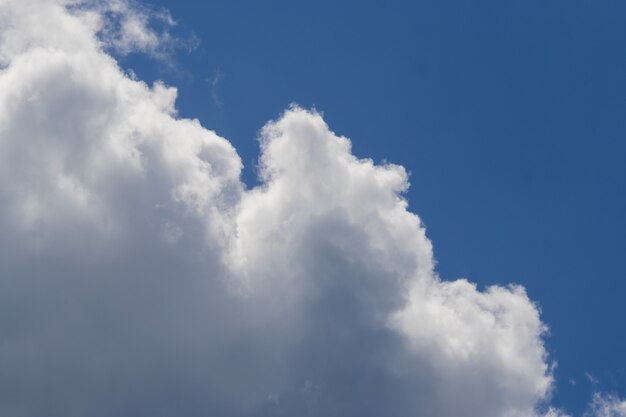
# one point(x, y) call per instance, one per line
point(509, 115)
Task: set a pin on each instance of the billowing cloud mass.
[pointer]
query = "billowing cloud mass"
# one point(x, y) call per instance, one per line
point(139, 276)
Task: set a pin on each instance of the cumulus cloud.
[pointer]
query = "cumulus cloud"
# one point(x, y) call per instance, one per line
point(139, 276)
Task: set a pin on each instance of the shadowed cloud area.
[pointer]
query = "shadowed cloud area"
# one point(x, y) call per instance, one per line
point(140, 277)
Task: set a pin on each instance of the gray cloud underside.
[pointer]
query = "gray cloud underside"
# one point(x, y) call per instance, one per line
point(139, 276)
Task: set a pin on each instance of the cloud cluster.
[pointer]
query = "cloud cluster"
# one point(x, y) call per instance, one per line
point(139, 276)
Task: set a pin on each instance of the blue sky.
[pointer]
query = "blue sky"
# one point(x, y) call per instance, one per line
point(509, 116)
point(143, 271)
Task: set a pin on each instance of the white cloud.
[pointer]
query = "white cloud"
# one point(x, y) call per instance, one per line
point(606, 406)
point(139, 277)
point(127, 26)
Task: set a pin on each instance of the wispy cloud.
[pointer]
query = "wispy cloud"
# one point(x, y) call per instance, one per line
point(214, 80)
